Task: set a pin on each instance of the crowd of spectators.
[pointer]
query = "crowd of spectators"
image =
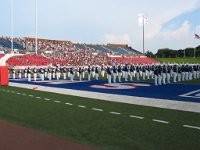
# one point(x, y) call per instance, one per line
point(68, 53)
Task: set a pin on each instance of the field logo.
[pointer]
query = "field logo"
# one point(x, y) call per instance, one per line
point(120, 86)
point(193, 94)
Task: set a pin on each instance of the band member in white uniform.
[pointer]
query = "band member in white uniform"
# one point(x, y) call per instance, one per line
point(20, 73)
point(13, 73)
point(114, 70)
point(119, 70)
point(29, 74)
point(109, 74)
point(35, 74)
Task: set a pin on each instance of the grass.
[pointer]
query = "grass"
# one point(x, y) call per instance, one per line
point(179, 60)
point(101, 130)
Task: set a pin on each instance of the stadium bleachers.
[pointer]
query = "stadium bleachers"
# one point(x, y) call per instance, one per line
point(66, 52)
point(6, 43)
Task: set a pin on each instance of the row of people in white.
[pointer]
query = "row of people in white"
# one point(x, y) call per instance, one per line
point(116, 73)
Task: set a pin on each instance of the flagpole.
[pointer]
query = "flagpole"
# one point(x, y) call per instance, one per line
point(12, 25)
point(36, 27)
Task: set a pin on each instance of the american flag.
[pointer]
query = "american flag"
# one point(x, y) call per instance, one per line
point(197, 36)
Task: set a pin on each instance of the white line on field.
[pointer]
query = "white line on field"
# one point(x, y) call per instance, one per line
point(160, 121)
point(38, 97)
point(24, 94)
point(18, 93)
point(81, 106)
point(138, 117)
point(69, 104)
point(115, 113)
point(57, 101)
point(193, 127)
point(47, 99)
point(96, 109)
point(31, 96)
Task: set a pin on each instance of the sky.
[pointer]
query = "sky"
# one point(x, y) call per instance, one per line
point(171, 23)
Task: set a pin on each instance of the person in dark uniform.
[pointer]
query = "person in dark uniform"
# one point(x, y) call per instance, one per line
point(34, 74)
point(80, 73)
point(102, 71)
point(159, 75)
point(41, 71)
point(114, 69)
point(126, 72)
point(138, 72)
point(131, 72)
point(164, 74)
point(175, 72)
point(71, 74)
point(57, 73)
point(97, 73)
point(89, 73)
point(119, 70)
point(64, 71)
point(49, 73)
point(179, 73)
point(156, 75)
point(13, 73)
point(168, 73)
point(25, 72)
point(143, 72)
point(20, 73)
point(190, 71)
point(183, 72)
point(29, 74)
point(108, 70)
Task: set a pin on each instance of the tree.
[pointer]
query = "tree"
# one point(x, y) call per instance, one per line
point(149, 54)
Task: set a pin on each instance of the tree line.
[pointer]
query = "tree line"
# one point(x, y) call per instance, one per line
point(171, 53)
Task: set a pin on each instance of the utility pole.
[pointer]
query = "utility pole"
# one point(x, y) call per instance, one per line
point(36, 27)
point(12, 25)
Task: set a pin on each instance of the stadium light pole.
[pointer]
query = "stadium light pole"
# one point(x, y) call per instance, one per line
point(36, 26)
point(12, 24)
point(142, 21)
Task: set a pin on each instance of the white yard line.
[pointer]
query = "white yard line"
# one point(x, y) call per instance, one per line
point(160, 103)
point(138, 117)
point(192, 127)
point(97, 109)
point(69, 104)
point(38, 97)
point(115, 113)
point(81, 106)
point(47, 99)
point(160, 121)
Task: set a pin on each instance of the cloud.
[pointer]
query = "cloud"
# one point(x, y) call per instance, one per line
point(178, 34)
point(119, 39)
point(198, 29)
point(158, 20)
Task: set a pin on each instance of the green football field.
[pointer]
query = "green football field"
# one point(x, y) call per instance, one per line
point(179, 60)
point(101, 124)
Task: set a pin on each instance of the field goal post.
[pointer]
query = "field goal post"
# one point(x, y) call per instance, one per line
point(4, 73)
